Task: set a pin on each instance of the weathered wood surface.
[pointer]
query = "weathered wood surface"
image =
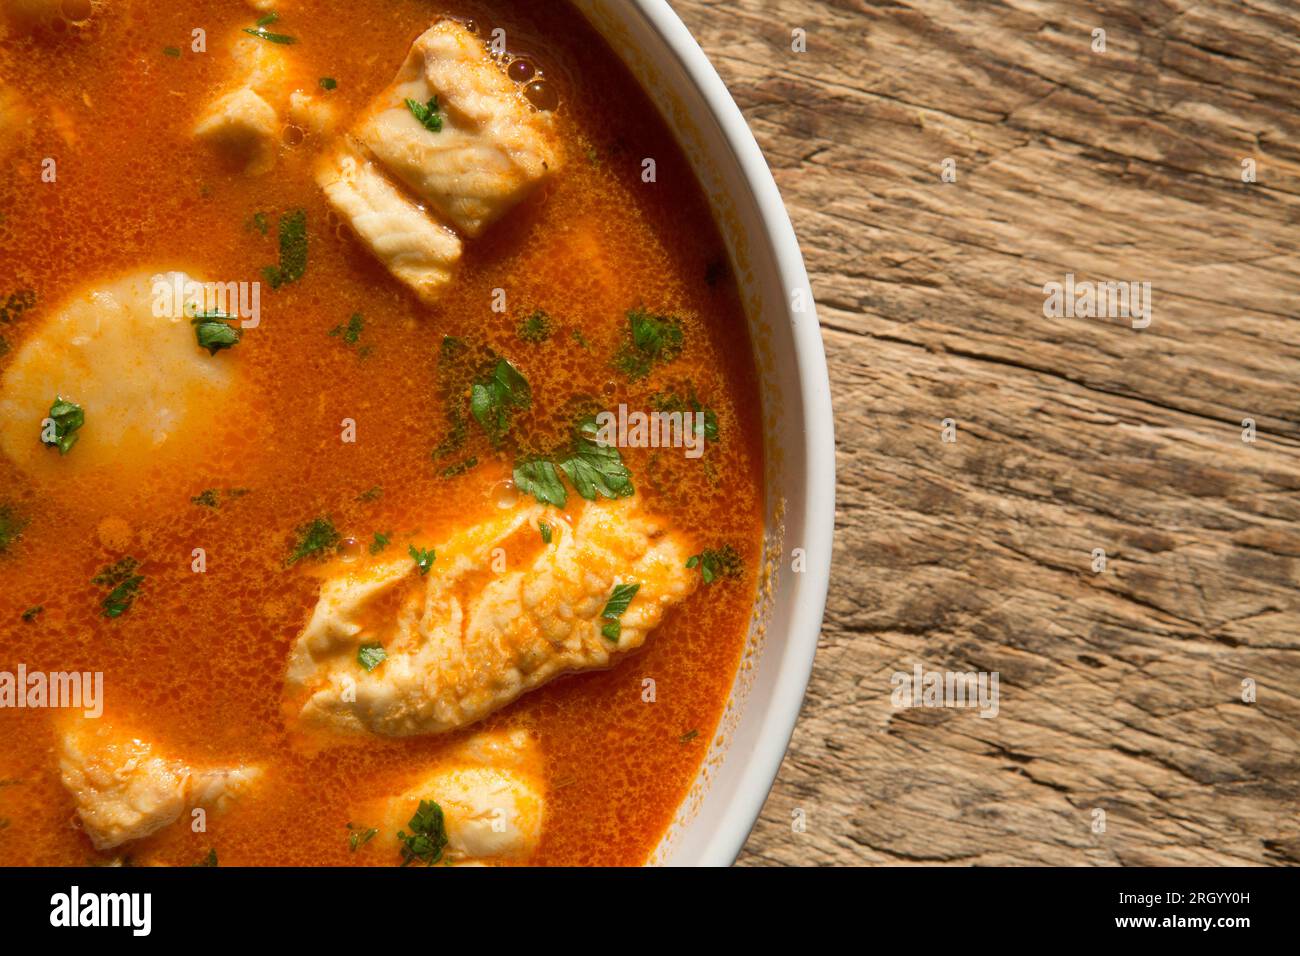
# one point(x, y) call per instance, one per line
point(1120, 690)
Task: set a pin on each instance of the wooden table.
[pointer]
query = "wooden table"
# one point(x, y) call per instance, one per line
point(1121, 690)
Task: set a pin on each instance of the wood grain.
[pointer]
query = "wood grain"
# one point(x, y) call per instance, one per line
point(1120, 690)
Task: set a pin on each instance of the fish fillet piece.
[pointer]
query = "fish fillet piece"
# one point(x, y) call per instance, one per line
point(125, 790)
point(149, 392)
point(243, 127)
point(494, 147)
point(464, 640)
point(244, 122)
point(416, 250)
point(491, 792)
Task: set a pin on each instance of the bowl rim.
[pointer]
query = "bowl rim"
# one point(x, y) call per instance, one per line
point(817, 503)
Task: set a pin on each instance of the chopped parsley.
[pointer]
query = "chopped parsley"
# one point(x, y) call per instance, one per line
point(360, 836)
point(373, 494)
point(493, 400)
point(11, 527)
point(293, 250)
point(671, 402)
point(214, 331)
point(423, 559)
point(427, 114)
point(172, 51)
point(715, 563)
point(314, 539)
point(32, 613)
point(351, 333)
point(615, 607)
point(594, 470)
point(262, 33)
point(545, 529)
point(258, 221)
point(535, 329)
point(209, 860)
point(380, 542)
point(653, 340)
point(428, 836)
point(211, 497)
point(371, 656)
point(124, 584)
point(207, 499)
point(328, 83)
point(18, 302)
point(452, 471)
point(67, 418)
point(687, 737)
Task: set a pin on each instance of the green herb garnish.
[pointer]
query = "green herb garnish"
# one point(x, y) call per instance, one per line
point(262, 33)
point(171, 51)
point(373, 494)
point(124, 583)
point(428, 835)
point(615, 607)
point(293, 250)
point(545, 529)
point(594, 470)
point(427, 114)
point(214, 331)
point(314, 539)
point(31, 613)
point(206, 499)
point(380, 542)
point(423, 559)
point(209, 860)
point(350, 333)
point(654, 340)
point(536, 328)
point(371, 656)
point(11, 527)
point(18, 302)
point(328, 83)
point(671, 402)
point(67, 418)
point(360, 836)
point(717, 562)
point(493, 399)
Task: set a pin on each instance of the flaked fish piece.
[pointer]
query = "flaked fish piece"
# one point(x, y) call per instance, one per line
point(124, 789)
point(416, 250)
point(492, 147)
point(464, 640)
point(491, 794)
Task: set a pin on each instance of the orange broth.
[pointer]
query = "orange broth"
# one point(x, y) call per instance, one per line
point(197, 664)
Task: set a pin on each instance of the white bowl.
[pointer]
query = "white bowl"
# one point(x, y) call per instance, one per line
point(746, 752)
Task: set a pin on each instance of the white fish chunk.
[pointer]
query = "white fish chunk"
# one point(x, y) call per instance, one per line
point(243, 127)
point(124, 790)
point(494, 148)
point(491, 793)
point(149, 393)
point(244, 122)
point(464, 641)
point(418, 251)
